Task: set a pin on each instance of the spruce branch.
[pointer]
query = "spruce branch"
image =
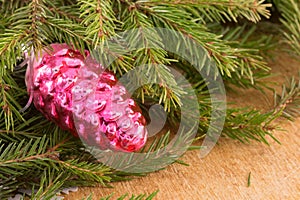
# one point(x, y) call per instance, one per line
point(149, 49)
point(227, 58)
point(36, 154)
point(22, 35)
point(50, 183)
point(163, 150)
point(256, 43)
point(126, 196)
point(58, 9)
point(93, 172)
point(245, 125)
point(19, 159)
point(16, 157)
point(9, 106)
point(290, 11)
point(289, 99)
point(99, 19)
point(220, 11)
point(9, 6)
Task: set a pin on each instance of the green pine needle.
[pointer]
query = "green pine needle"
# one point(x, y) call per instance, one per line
point(36, 154)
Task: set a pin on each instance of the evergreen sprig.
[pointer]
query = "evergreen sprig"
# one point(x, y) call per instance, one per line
point(10, 92)
point(99, 19)
point(245, 125)
point(289, 99)
point(228, 59)
point(35, 154)
point(290, 18)
point(256, 43)
point(52, 170)
point(126, 196)
point(220, 11)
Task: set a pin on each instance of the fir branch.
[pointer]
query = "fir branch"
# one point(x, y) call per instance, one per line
point(220, 11)
point(256, 38)
point(93, 172)
point(40, 148)
point(8, 187)
point(9, 106)
point(227, 58)
point(133, 197)
point(149, 49)
point(163, 151)
point(289, 99)
point(66, 12)
point(256, 43)
point(99, 19)
point(38, 156)
point(290, 11)
point(10, 49)
point(3, 23)
point(64, 30)
point(12, 161)
point(241, 124)
point(50, 183)
point(22, 35)
point(9, 6)
point(245, 125)
point(126, 196)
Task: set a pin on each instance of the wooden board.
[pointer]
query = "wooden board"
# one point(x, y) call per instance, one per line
point(223, 174)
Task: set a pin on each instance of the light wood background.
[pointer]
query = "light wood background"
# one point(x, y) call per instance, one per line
point(223, 174)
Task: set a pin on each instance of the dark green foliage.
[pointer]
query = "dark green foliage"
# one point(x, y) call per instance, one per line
point(35, 154)
point(290, 18)
point(133, 197)
point(289, 99)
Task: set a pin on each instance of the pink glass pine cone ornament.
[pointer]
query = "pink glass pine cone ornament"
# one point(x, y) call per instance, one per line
point(93, 106)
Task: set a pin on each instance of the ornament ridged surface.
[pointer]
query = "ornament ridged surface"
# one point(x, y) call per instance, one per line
point(91, 105)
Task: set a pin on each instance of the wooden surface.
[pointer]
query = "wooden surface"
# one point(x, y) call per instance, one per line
point(223, 174)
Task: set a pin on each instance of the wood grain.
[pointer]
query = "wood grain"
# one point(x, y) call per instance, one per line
point(223, 174)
